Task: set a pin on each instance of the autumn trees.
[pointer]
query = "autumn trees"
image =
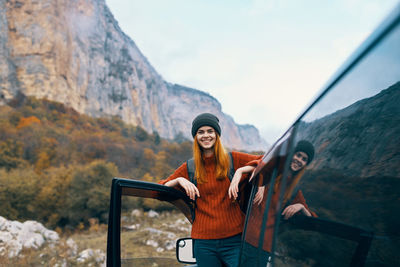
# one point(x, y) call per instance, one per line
point(56, 165)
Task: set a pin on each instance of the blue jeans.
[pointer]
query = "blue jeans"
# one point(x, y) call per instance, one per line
point(215, 252)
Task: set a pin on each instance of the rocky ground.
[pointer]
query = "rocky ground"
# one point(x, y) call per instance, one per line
point(143, 234)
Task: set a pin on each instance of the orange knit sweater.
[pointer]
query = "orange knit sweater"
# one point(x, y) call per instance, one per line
point(217, 216)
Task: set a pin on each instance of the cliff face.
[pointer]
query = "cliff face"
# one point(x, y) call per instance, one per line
point(74, 52)
point(360, 139)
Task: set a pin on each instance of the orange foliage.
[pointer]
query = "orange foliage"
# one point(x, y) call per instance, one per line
point(52, 168)
point(148, 154)
point(26, 121)
point(42, 163)
point(148, 178)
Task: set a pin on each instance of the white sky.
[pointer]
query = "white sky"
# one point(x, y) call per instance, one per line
point(263, 60)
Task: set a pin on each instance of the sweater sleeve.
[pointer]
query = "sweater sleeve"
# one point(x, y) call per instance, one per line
point(300, 199)
point(241, 159)
point(180, 172)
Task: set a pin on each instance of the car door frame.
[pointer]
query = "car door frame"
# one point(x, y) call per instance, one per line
point(127, 187)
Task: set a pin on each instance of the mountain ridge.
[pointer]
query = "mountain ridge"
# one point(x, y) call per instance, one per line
point(74, 52)
point(357, 132)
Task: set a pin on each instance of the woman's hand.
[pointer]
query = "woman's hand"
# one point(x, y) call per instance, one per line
point(259, 195)
point(191, 190)
point(234, 187)
point(293, 209)
point(251, 177)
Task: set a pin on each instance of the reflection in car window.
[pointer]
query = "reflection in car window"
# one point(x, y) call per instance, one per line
point(376, 72)
point(354, 178)
point(261, 215)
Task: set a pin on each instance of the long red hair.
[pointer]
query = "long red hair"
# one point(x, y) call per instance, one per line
point(293, 180)
point(221, 160)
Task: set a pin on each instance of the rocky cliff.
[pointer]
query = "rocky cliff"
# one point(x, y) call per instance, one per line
point(361, 139)
point(74, 52)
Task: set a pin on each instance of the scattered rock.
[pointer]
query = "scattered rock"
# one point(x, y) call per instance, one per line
point(171, 235)
point(153, 230)
point(169, 245)
point(15, 236)
point(152, 243)
point(136, 213)
point(152, 214)
point(89, 254)
point(180, 222)
point(85, 255)
point(131, 227)
point(62, 264)
point(73, 247)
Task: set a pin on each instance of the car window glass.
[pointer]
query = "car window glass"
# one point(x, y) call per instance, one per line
point(149, 230)
point(353, 181)
point(264, 204)
point(377, 71)
point(153, 195)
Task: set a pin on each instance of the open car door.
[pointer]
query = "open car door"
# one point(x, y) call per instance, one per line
point(125, 187)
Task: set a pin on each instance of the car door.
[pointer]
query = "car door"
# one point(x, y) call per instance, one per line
point(352, 185)
point(121, 191)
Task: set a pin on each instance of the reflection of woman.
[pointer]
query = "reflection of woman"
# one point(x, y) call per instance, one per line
point(219, 221)
point(303, 155)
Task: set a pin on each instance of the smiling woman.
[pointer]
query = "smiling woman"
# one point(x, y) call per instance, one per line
point(206, 139)
point(218, 220)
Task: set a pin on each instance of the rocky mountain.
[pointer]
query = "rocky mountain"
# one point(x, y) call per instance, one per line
point(74, 52)
point(362, 138)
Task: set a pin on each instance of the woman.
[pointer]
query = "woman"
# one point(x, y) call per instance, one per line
point(218, 220)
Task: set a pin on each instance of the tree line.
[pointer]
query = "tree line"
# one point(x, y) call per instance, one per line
point(56, 165)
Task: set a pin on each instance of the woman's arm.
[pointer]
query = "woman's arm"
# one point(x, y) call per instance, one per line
point(178, 180)
point(299, 204)
point(246, 163)
point(190, 189)
point(234, 186)
point(291, 210)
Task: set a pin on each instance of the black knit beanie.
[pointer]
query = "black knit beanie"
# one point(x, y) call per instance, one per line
point(205, 119)
point(306, 147)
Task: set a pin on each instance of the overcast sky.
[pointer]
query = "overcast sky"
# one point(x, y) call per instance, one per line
point(264, 60)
